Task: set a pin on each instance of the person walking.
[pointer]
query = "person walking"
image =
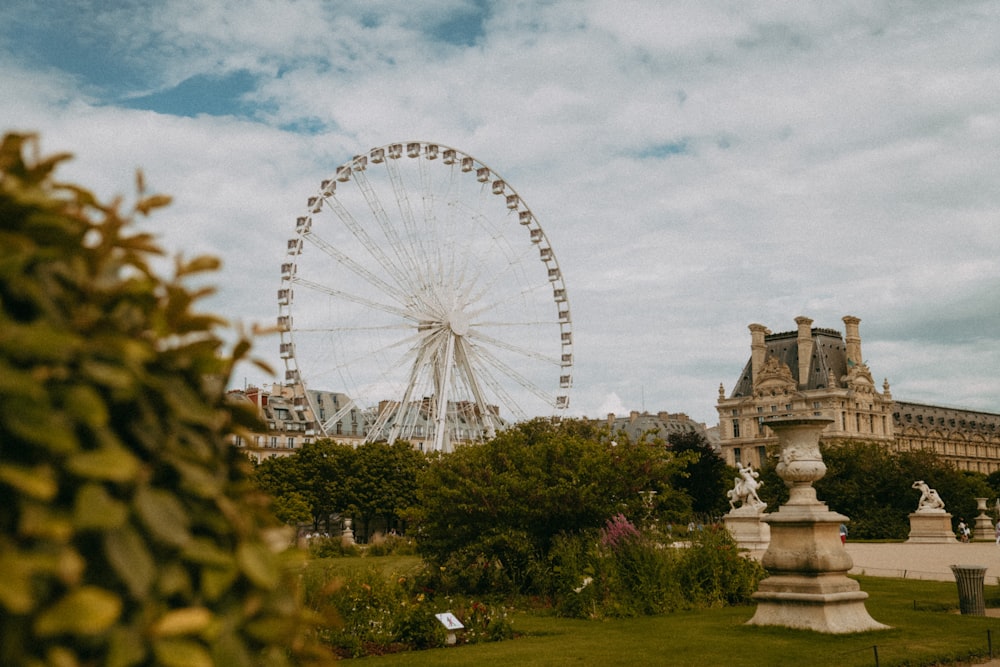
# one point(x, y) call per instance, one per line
point(996, 532)
point(843, 534)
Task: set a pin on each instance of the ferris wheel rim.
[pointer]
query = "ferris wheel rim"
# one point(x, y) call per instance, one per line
point(457, 321)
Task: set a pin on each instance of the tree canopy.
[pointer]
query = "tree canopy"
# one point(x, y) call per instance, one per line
point(374, 483)
point(506, 500)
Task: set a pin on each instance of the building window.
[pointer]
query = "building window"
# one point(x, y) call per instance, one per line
point(736, 428)
point(291, 443)
point(761, 455)
point(737, 455)
point(274, 442)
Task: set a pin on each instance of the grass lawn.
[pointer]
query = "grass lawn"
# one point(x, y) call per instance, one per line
point(926, 630)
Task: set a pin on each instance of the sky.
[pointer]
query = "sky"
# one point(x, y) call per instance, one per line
point(697, 167)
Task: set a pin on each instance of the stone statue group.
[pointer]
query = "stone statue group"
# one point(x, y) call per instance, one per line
point(747, 481)
point(745, 488)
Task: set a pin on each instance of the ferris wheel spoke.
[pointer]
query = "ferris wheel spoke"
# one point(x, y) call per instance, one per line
point(488, 358)
point(402, 253)
point(410, 227)
point(355, 329)
point(360, 300)
point(510, 347)
point(501, 392)
point(353, 266)
point(370, 245)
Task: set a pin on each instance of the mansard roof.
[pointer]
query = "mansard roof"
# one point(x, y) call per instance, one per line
point(920, 415)
point(829, 354)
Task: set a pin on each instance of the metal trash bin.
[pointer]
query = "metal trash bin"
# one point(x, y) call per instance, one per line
point(970, 578)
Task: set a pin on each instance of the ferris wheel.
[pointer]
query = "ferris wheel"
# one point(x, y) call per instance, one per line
point(422, 290)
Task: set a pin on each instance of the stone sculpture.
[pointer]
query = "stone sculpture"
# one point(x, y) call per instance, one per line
point(745, 487)
point(929, 501)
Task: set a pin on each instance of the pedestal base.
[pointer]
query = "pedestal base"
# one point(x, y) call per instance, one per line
point(748, 530)
point(983, 529)
point(930, 528)
point(832, 604)
point(809, 589)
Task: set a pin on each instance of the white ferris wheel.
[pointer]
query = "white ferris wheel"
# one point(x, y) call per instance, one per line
point(421, 288)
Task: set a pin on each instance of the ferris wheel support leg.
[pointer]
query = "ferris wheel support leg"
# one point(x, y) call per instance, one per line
point(442, 410)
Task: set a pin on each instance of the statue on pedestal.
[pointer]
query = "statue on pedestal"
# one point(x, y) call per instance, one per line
point(929, 501)
point(745, 487)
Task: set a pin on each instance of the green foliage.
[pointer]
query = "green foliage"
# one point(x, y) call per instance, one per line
point(374, 483)
point(640, 576)
point(386, 613)
point(705, 477)
point(332, 547)
point(129, 532)
point(491, 511)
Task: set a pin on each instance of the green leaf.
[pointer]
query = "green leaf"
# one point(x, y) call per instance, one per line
point(96, 509)
point(184, 621)
point(258, 564)
point(87, 610)
point(163, 515)
point(17, 591)
point(181, 653)
point(204, 551)
point(111, 463)
point(87, 406)
point(215, 581)
point(126, 647)
point(37, 482)
point(131, 559)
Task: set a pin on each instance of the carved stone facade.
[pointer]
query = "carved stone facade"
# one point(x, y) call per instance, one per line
point(819, 372)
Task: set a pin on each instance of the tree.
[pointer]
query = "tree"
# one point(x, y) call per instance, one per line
point(129, 534)
point(374, 483)
point(505, 501)
point(323, 473)
point(704, 475)
point(385, 484)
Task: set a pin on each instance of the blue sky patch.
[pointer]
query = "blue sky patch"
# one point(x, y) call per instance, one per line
point(202, 94)
point(664, 150)
point(463, 28)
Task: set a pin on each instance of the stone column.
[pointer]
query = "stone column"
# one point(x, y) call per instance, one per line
point(808, 587)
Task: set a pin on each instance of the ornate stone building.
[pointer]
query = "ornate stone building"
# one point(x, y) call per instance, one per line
point(818, 371)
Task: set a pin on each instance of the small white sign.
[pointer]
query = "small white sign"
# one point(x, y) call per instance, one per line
point(449, 621)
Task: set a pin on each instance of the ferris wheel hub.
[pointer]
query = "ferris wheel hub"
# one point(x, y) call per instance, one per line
point(458, 322)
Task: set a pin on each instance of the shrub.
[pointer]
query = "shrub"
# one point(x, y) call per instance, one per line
point(129, 533)
point(392, 545)
point(713, 572)
point(332, 547)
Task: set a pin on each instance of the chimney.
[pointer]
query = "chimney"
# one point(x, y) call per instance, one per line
point(853, 339)
point(806, 344)
point(758, 349)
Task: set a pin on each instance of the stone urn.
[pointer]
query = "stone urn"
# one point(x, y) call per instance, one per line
point(800, 462)
point(808, 587)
